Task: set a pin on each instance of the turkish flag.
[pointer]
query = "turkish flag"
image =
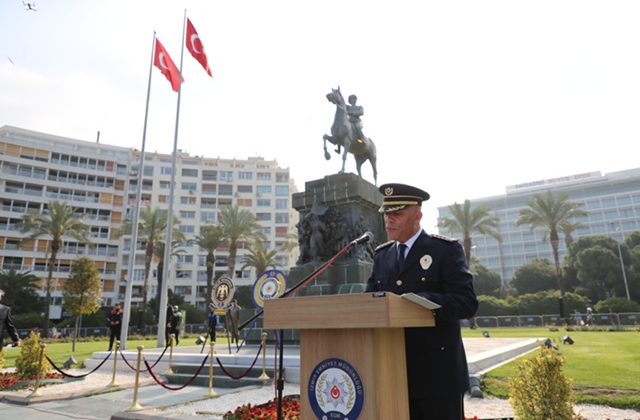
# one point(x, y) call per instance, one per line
point(195, 47)
point(163, 61)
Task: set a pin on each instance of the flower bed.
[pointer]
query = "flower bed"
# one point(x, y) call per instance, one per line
point(11, 381)
point(267, 411)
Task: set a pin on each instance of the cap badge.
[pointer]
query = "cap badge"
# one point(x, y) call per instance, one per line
point(425, 261)
point(388, 191)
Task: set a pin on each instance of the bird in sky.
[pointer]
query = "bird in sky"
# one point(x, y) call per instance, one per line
point(30, 6)
point(11, 61)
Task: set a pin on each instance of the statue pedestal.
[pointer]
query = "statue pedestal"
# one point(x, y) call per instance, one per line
point(334, 211)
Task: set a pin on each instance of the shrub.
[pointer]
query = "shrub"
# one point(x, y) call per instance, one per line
point(29, 359)
point(540, 390)
point(1, 359)
point(29, 320)
point(617, 305)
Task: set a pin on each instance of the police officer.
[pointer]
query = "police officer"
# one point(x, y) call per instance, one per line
point(434, 267)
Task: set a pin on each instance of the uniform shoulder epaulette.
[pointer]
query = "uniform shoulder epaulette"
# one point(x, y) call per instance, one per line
point(444, 238)
point(384, 245)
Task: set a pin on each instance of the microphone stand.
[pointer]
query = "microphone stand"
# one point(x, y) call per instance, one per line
point(308, 279)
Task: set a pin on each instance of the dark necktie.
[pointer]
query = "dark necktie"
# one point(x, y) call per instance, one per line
point(401, 251)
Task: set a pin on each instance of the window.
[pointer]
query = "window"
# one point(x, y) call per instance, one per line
point(264, 176)
point(184, 259)
point(263, 216)
point(226, 176)
point(281, 232)
point(282, 177)
point(245, 202)
point(164, 185)
point(282, 190)
point(245, 175)
point(165, 170)
point(183, 274)
point(187, 214)
point(148, 170)
point(282, 203)
point(189, 186)
point(263, 189)
point(208, 175)
point(189, 172)
point(245, 188)
point(207, 216)
point(187, 200)
point(282, 217)
point(263, 202)
point(187, 229)
point(225, 190)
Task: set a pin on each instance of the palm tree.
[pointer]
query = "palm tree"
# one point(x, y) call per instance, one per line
point(238, 226)
point(56, 222)
point(552, 213)
point(466, 221)
point(210, 238)
point(261, 258)
point(152, 227)
point(20, 291)
point(178, 239)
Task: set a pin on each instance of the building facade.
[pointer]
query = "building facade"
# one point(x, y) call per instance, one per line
point(100, 183)
point(611, 200)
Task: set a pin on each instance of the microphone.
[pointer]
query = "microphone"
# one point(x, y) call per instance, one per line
point(366, 237)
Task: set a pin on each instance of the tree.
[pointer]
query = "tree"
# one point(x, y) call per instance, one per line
point(239, 225)
point(178, 239)
point(57, 221)
point(82, 291)
point(598, 272)
point(466, 221)
point(486, 282)
point(20, 292)
point(550, 212)
point(210, 238)
point(536, 276)
point(152, 228)
point(261, 258)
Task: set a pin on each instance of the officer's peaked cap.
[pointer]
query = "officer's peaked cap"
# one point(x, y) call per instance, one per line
point(398, 196)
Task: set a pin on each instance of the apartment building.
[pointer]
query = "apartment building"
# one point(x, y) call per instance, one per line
point(612, 201)
point(100, 183)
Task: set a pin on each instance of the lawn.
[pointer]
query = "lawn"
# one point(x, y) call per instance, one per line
point(604, 365)
point(60, 352)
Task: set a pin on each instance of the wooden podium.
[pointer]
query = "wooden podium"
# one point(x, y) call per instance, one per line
point(367, 331)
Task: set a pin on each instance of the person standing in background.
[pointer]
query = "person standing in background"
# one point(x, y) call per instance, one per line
point(6, 324)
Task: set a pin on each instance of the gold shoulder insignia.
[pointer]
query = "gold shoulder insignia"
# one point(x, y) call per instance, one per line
point(384, 245)
point(444, 238)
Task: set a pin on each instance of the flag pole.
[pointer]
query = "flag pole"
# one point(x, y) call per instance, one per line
point(126, 316)
point(162, 311)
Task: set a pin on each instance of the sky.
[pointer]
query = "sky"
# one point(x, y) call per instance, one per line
point(461, 98)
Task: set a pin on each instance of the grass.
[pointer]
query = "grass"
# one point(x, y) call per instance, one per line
point(60, 352)
point(604, 365)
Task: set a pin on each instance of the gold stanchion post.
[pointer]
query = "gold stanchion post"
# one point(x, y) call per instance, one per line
point(115, 363)
point(212, 393)
point(264, 375)
point(36, 391)
point(135, 406)
point(170, 353)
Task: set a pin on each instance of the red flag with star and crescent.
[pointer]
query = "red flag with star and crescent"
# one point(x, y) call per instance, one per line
point(195, 47)
point(163, 61)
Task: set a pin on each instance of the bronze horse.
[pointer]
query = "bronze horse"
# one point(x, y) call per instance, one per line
point(343, 133)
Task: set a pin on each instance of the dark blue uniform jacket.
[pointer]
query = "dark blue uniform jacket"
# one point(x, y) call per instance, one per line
point(436, 269)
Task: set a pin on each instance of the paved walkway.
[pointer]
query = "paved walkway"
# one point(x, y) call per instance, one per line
point(113, 405)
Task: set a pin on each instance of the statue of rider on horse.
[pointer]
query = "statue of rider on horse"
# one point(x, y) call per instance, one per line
point(346, 132)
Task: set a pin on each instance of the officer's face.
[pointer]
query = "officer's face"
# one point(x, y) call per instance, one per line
point(402, 224)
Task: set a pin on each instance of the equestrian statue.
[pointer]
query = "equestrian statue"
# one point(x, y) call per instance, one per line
point(346, 132)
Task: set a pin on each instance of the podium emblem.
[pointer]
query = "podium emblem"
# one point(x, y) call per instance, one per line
point(336, 390)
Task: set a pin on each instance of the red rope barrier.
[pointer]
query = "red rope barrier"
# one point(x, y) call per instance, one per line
point(189, 382)
point(126, 362)
point(245, 372)
point(78, 376)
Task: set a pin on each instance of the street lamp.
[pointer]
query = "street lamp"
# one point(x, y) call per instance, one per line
point(624, 273)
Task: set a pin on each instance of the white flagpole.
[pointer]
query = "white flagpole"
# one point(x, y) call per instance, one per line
point(162, 308)
point(134, 228)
